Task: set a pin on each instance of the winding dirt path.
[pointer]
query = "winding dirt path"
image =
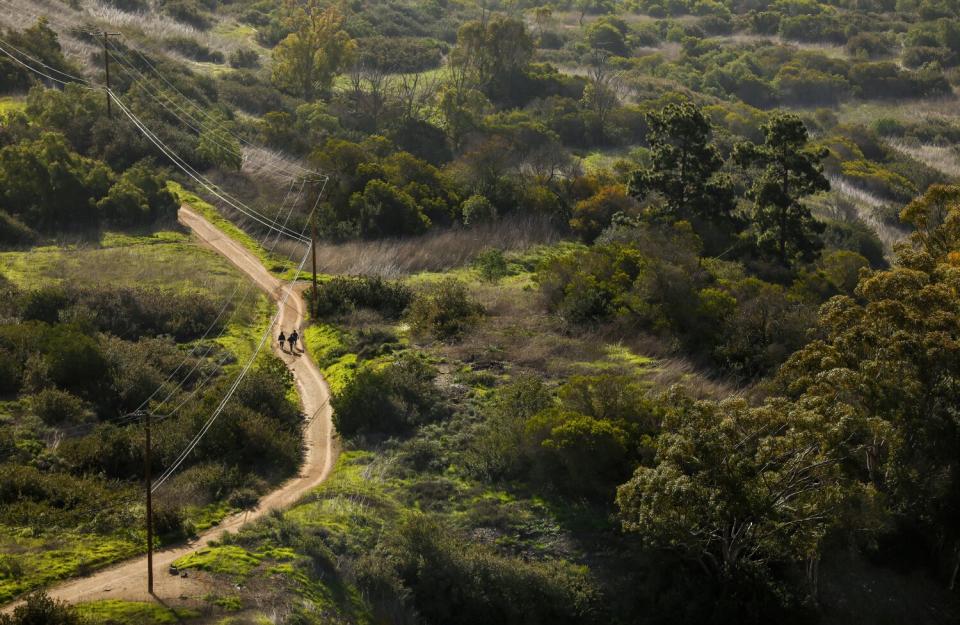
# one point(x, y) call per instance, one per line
point(128, 580)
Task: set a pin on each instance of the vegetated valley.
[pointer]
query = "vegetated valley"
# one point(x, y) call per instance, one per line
point(631, 311)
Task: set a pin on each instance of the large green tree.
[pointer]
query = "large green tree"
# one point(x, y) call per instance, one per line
point(492, 55)
point(738, 488)
point(685, 167)
point(889, 358)
point(788, 170)
point(315, 51)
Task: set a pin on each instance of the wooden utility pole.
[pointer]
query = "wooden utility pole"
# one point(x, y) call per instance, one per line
point(106, 66)
point(313, 251)
point(149, 486)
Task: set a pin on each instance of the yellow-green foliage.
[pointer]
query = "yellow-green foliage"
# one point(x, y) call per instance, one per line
point(116, 612)
point(620, 356)
point(246, 328)
point(227, 559)
point(165, 259)
point(9, 103)
point(878, 179)
point(327, 346)
point(203, 518)
point(30, 563)
point(231, 559)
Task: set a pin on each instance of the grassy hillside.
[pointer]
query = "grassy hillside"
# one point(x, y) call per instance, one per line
point(632, 311)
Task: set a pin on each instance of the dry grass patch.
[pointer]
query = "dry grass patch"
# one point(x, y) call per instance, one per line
point(440, 250)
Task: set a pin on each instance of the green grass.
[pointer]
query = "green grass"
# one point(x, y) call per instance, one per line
point(12, 103)
point(33, 562)
point(225, 559)
point(164, 259)
point(116, 612)
point(328, 347)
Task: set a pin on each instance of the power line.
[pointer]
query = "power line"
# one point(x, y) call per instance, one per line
point(187, 169)
point(202, 112)
point(267, 332)
point(198, 125)
point(197, 176)
point(167, 152)
point(247, 290)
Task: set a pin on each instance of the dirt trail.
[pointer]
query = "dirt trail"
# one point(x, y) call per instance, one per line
point(128, 580)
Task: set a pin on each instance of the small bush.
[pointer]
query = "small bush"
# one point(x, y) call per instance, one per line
point(193, 49)
point(56, 407)
point(244, 58)
point(39, 609)
point(492, 265)
point(444, 311)
point(187, 11)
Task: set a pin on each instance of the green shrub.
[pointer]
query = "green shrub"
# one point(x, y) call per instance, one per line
point(391, 398)
point(477, 209)
point(480, 586)
point(491, 265)
point(244, 58)
point(39, 609)
point(401, 54)
point(444, 311)
point(497, 450)
point(345, 293)
point(56, 407)
point(187, 11)
point(193, 49)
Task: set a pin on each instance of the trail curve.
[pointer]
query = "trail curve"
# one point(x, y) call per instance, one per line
point(128, 580)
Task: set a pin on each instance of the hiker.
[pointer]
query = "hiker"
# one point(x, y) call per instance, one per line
point(283, 338)
point(293, 340)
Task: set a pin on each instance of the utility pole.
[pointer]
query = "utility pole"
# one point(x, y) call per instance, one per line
point(106, 66)
point(149, 485)
point(313, 250)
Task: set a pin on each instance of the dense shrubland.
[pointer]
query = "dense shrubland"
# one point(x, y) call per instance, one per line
point(76, 360)
point(561, 485)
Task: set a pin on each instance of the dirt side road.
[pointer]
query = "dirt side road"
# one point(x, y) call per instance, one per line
point(128, 580)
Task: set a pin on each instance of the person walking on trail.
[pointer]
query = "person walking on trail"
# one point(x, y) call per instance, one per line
point(281, 339)
point(293, 340)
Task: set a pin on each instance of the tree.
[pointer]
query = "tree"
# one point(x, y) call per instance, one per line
point(139, 197)
point(685, 166)
point(592, 215)
point(39, 42)
point(48, 186)
point(890, 360)
point(604, 35)
point(603, 91)
point(309, 58)
point(542, 15)
point(218, 146)
point(788, 171)
point(384, 210)
point(493, 54)
point(736, 488)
